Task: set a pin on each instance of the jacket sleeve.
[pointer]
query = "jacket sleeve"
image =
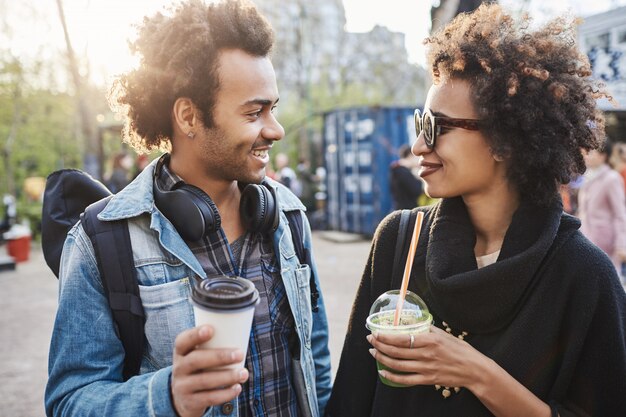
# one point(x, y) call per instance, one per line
point(598, 382)
point(86, 356)
point(357, 376)
point(319, 335)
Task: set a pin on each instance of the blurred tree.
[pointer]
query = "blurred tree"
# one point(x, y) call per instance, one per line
point(92, 158)
point(37, 118)
point(11, 92)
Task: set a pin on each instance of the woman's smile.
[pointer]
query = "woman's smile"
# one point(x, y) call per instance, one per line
point(427, 168)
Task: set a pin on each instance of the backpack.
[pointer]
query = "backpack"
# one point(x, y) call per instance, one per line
point(70, 195)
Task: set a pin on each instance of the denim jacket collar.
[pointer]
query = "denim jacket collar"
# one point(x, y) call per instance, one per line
point(137, 198)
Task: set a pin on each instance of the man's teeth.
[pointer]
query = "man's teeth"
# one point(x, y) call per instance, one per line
point(260, 154)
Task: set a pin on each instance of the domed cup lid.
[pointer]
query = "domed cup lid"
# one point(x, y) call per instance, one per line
point(414, 313)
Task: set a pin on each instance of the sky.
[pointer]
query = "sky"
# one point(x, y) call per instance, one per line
point(100, 28)
point(362, 15)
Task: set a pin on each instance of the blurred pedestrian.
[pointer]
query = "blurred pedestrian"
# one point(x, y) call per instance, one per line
point(602, 205)
point(406, 188)
point(529, 317)
point(141, 162)
point(286, 175)
point(308, 185)
point(120, 174)
point(618, 160)
point(9, 215)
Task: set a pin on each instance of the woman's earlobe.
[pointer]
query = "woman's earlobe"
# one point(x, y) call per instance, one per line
point(499, 156)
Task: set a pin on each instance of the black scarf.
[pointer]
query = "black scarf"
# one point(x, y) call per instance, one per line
point(454, 284)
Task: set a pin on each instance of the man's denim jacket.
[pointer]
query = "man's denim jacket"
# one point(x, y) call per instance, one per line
point(86, 356)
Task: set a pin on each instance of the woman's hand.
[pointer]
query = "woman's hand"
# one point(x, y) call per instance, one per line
point(436, 358)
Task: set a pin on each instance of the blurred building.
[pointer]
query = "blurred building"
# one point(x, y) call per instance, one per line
point(308, 40)
point(603, 38)
point(312, 47)
point(379, 57)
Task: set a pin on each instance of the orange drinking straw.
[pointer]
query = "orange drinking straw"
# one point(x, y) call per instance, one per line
point(408, 266)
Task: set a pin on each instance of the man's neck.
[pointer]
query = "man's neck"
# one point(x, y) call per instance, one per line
point(225, 194)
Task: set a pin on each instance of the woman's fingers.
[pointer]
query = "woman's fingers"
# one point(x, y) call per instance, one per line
point(404, 379)
point(398, 346)
point(402, 365)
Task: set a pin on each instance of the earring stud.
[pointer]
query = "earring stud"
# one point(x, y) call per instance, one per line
point(191, 135)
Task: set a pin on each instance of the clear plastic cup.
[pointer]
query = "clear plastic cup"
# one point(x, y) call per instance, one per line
point(414, 319)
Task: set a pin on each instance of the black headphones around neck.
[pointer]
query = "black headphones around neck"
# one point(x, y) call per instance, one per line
point(194, 214)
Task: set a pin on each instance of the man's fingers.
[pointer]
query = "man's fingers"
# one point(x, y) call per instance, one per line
point(216, 397)
point(214, 380)
point(198, 402)
point(187, 340)
point(207, 359)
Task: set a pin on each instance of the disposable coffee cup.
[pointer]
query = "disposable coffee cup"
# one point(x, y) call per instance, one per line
point(414, 319)
point(227, 304)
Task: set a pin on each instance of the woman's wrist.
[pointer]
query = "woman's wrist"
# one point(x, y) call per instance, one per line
point(502, 394)
point(484, 372)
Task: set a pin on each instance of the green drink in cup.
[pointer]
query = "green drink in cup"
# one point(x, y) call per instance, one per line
point(414, 319)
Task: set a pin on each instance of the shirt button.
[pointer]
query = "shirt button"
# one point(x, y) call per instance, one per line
point(256, 402)
point(227, 408)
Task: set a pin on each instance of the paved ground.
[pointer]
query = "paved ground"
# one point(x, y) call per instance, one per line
point(28, 299)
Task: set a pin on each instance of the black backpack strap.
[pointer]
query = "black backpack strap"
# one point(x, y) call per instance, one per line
point(396, 274)
point(296, 225)
point(111, 241)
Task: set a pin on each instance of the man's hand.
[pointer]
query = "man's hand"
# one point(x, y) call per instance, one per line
point(199, 379)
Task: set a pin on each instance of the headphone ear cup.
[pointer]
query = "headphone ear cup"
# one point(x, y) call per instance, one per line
point(189, 209)
point(212, 219)
point(258, 209)
point(273, 213)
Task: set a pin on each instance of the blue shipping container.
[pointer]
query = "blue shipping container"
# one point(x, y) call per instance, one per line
point(359, 146)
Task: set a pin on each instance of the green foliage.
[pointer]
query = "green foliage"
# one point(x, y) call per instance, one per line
point(37, 128)
point(43, 136)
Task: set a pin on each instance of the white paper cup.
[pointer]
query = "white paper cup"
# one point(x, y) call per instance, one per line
point(227, 304)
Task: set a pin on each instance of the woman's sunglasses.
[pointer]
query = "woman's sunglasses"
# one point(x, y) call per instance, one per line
point(431, 125)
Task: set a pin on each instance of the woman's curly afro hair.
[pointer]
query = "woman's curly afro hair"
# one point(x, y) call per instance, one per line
point(179, 58)
point(531, 88)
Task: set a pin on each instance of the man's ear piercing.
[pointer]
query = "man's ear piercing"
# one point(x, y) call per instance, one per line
point(191, 135)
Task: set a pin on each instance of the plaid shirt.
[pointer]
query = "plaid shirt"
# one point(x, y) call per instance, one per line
point(269, 390)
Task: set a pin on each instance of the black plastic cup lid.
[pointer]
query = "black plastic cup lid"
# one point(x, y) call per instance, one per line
point(224, 293)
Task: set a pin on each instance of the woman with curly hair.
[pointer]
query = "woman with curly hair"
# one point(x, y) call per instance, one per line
point(534, 314)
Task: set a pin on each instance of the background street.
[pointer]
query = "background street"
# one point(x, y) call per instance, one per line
point(28, 300)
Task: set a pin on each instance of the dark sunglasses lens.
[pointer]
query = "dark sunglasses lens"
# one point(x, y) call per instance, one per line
point(428, 130)
point(418, 122)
